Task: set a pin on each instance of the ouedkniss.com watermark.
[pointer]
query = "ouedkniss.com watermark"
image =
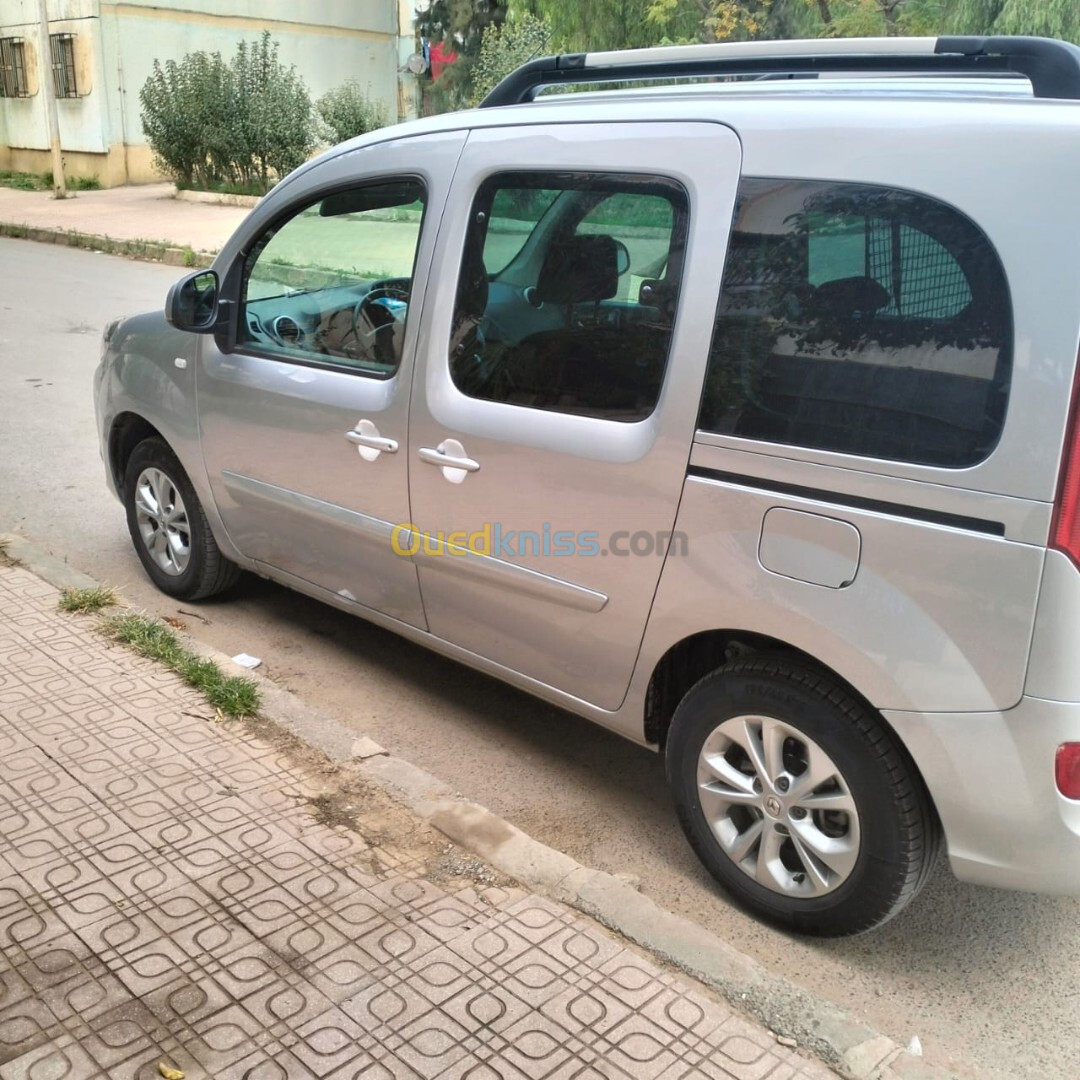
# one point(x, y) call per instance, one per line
point(407, 540)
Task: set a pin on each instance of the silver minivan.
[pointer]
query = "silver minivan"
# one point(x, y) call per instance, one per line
point(736, 416)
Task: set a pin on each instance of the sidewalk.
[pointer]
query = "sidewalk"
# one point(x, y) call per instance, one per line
point(221, 900)
point(147, 212)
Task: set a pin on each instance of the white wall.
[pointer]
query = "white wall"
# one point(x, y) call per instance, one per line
point(329, 42)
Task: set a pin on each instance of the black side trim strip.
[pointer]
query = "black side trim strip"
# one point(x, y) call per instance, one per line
point(856, 502)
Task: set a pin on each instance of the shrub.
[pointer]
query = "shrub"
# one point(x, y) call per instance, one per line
point(274, 117)
point(185, 117)
point(242, 123)
point(347, 111)
point(505, 47)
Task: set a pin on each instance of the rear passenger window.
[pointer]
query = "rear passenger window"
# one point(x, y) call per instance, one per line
point(860, 319)
point(568, 291)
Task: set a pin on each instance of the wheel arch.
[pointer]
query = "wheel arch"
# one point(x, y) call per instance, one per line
point(696, 655)
point(127, 431)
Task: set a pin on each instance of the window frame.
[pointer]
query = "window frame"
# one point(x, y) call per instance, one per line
point(13, 81)
point(62, 54)
point(239, 274)
point(1000, 383)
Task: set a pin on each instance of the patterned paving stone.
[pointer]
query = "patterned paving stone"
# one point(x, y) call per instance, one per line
point(165, 895)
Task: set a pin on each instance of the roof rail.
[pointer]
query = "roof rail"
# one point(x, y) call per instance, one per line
point(1053, 67)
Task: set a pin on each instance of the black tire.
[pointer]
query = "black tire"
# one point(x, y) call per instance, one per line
point(894, 829)
point(205, 571)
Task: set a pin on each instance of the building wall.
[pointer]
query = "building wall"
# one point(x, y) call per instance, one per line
point(329, 41)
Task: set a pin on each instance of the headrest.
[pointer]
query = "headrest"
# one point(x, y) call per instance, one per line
point(579, 270)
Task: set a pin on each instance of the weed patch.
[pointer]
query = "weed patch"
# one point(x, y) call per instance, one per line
point(87, 601)
point(231, 695)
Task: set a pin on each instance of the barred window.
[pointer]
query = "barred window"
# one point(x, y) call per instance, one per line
point(63, 65)
point(12, 68)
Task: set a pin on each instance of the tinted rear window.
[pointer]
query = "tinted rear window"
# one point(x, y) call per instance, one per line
point(860, 319)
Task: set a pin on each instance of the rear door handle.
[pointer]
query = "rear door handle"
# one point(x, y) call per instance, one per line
point(366, 438)
point(449, 456)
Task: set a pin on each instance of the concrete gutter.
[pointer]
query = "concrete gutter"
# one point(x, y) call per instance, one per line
point(842, 1041)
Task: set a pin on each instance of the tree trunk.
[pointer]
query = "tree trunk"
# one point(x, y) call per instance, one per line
point(824, 12)
point(888, 9)
point(708, 31)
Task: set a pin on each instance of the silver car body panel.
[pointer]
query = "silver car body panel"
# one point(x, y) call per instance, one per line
point(273, 433)
point(546, 471)
point(147, 371)
point(991, 777)
point(916, 627)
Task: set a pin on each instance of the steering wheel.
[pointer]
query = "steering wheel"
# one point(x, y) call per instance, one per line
point(370, 318)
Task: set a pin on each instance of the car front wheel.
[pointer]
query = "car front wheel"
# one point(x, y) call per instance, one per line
point(169, 528)
point(798, 799)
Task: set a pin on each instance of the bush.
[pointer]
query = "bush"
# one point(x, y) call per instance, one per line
point(272, 111)
point(244, 123)
point(505, 47)
point(347, 112)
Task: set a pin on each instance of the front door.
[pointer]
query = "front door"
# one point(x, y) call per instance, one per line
point(555, 405)
point(305, 423)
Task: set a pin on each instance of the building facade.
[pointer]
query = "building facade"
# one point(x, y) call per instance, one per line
point(100, 54)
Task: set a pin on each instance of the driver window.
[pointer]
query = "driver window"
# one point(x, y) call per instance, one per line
point(331, 284)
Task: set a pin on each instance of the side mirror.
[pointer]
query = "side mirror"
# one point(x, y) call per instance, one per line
point(192, 303)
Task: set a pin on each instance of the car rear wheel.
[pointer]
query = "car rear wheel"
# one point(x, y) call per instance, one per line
point(798, 799)
point(169, 528)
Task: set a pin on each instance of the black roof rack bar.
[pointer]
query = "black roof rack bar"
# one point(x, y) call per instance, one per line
point(1053, 67)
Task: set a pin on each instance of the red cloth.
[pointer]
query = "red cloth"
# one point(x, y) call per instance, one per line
point(441, 55)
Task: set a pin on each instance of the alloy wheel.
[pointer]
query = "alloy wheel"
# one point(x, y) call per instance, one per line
point(778, 806)
point(162, 520)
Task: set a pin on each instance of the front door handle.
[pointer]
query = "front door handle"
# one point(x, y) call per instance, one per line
point(366, 438)
point(450, 456)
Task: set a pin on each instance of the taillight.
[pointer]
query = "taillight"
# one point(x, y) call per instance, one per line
point(1067, 770)
point(1065, 530)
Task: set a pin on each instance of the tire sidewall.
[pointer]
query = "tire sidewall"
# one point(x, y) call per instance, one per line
point(156, 454)
point(881, 868)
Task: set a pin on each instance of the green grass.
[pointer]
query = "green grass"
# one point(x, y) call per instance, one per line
point(25, 181)
point(87, 601)
point(231, 695)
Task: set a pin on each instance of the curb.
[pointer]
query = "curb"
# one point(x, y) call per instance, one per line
point(148, 250)
point(217, 198)
point(843, 1042)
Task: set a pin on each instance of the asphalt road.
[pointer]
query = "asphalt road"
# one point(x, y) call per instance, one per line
point(989, 981)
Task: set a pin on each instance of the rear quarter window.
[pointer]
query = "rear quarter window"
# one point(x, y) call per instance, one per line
point(860, 319)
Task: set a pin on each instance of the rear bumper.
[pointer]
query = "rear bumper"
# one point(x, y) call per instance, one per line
point(991, 776)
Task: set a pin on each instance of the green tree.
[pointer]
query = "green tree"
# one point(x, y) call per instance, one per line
point(507, 46)
point(459, 25)
point(599, 25)
point(713, 20)
point(1044, 18)
point(876, 18)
